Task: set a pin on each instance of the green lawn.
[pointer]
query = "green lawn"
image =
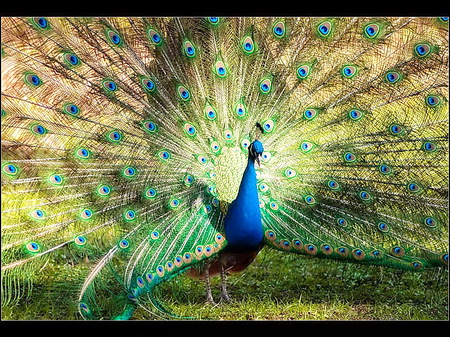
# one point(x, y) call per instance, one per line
point(280, 286)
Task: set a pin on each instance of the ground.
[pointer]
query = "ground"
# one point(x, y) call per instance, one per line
point(280, 286)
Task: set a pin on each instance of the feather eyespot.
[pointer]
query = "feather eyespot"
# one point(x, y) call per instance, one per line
point(279, 29)
point(10, 169)
point(188, 179)
point(393, 77)
point(80, 240)
point(349, 157)
point(265, 86)
point(228, 134)
point(297, 244)
point(55, 179)
point(164, 155)
point(124, 244)
point(248, 45)
point(33, 247)
point(310, 114)
point(213, 20)
point(324, 29)
point(103, 190)
point(290, 173)
point(430, 222)
point(383, 227)
point(32, 79)
point(210, 113)
point(306, 146)
point(178, 261)
point(219, 238)
point(37, 214)
point(274, 206)
point(150, 193)
point(241, 110)
point(433, 101)
point(220, 69)
point(398, 251)
point(270, 235)
point(333, 185)
point(41, 22)
point(148, 85)
point(385, 169)
point(372, 30)
point(190, 129)
point(349, 71)
point(109, 85)
point(342, 222)
point(245, 143)
point(154, 36)
point(311, 249)
point(86, 214)
point(183, 93)
point(150, 126)
point(303, 71)
point(129, 172)
point(160, 271)
point(422, 49)
point(174, 203)
point(355, 115)
point(71, 109)
point(358, 254)
point(154, 235)
point(129, 215)
point(187, 257)
point(114, 38)
point(38, 129)
point(309, 199)
point(269, 125)
point(326, 249)
point(263, 187)
point(397, 129)
point(343, 251)
point(71, 59)
point(189, 49)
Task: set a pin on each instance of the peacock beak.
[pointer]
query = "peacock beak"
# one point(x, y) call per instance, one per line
point(258, 160)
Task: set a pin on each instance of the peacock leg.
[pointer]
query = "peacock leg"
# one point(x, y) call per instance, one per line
point(209, 298)
point(225, 297)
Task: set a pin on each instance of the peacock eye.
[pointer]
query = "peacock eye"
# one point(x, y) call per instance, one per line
point(183, 93)
point(190, 129)
point(372, 30)
point(154, 36)
point(148, 85)
point(349, 71)
point(324, 29)
point(392, 77)
point(422, 49)
point(248, 45)
point(265, 86)
point(33, 79)
point(433, 101)
point(279, 29)
point(114, 37)
point(189, 49)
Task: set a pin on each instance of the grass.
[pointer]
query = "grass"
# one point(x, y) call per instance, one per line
point(280, 286)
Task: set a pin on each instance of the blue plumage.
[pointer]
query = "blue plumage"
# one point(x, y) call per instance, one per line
point(243, 226)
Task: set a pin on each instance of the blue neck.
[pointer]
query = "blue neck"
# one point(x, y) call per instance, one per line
point(243, 226)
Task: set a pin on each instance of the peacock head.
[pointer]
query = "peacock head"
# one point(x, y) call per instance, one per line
point(255, 151)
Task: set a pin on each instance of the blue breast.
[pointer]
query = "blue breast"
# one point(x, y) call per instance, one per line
point(243, 226)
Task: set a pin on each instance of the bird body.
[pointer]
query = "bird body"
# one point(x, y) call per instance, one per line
point(129, 148)
point(242, 223)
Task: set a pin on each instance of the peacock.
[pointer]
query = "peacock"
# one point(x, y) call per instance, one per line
point(143, 148)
